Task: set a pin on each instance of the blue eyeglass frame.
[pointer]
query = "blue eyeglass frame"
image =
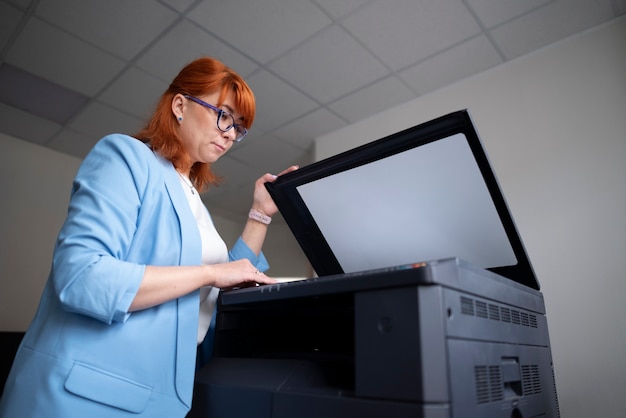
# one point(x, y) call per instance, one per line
point(238, 128)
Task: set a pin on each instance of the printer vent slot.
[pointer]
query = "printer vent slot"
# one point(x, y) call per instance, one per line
point(467, 306)
point(488, 383)
point(531, 380)
point(496, 312)
point(481, 309)
point(556, 400)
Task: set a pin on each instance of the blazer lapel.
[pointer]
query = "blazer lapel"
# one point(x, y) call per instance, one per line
point(188, 306)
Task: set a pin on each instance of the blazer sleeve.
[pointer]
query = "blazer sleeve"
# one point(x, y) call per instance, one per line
point(89, 271)
point(241, 250)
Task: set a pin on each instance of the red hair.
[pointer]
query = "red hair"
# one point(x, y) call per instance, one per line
point(200, 77)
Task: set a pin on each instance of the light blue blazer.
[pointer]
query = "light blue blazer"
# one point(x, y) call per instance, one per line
point(84, 354)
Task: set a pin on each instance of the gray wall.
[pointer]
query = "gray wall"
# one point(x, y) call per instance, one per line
point(554, 126)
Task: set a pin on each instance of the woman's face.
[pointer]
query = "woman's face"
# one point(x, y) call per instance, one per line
point(198, 130)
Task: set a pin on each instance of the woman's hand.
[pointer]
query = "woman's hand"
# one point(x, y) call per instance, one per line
point(262, 201)
point(161, 284)
point(240, 273)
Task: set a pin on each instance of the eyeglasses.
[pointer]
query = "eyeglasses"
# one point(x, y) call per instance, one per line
point(225, 121)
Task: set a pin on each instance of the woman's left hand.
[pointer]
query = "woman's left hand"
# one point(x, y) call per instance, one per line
point(262, 200)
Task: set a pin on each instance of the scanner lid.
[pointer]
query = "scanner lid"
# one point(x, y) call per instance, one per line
point(423, 194)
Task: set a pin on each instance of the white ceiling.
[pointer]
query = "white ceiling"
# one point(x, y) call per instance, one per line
point(72, 71)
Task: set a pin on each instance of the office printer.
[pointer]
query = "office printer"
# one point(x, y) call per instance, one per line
point(424, 304)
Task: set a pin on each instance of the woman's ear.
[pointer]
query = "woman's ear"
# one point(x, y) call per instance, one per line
point(178, 107)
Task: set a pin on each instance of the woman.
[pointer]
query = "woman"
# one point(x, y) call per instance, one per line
point(137, 259)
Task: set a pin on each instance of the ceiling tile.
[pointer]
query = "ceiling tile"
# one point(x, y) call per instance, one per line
point(35, 95)
point(56, 56)
point(271, 26)
point(98, 120)
point(184, 43)
point(330, 65)
point(26, 126)
point(277, 102)
point(402, 32)
point(455, 64)
point(120, 27)
point(338, 9)
point(73, 143)
point(10, 18)
point(548, 24)
point(495, 12)
point(134, 92)
point(23, 4)
point(619, 7)
point(382, 95)
point(303, 131)
point(179, 5)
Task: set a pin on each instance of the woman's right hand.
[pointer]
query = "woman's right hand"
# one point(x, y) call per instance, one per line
point(240, 273)
point(161, 284)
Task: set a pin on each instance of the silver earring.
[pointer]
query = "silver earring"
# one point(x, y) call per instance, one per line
point(180, 118)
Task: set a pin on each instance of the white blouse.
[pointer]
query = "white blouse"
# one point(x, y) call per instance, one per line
point(214, 251)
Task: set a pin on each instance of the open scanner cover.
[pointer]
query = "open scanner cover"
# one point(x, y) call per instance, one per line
point(423, 194)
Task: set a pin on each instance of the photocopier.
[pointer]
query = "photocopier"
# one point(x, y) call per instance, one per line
point(423, 303)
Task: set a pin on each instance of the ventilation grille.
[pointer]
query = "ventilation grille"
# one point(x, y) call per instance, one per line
point(488, 383)
point(531, 380)
point(494, 312)
point(490, 387)
point(556, 399)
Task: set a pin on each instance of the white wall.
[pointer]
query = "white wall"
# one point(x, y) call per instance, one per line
point(35, 184)
point(554, 126)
